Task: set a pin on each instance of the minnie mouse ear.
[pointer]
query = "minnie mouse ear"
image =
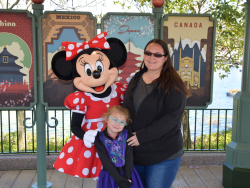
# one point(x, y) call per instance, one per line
point(118, 52)
point(63, 69)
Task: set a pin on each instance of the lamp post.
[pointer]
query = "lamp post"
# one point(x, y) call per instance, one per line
point(158, 11)
point(40, 108)
point(236, 169)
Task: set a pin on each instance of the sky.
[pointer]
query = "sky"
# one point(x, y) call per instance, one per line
point(94, 8)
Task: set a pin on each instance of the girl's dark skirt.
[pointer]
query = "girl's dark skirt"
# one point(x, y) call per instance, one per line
point(106, 181)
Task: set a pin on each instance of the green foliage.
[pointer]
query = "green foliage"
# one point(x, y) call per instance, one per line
point(12, 141)
point(6, 140)
point(56, 145)
point(203, 142)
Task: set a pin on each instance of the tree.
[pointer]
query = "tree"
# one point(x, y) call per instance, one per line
point(230, 16)
point(70, 5)
point(10, 4)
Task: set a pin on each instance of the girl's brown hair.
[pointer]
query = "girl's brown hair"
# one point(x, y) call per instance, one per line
point(120, 109)
point(168, 75)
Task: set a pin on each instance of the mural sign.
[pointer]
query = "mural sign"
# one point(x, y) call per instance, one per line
point(58, 27)
point(16, 60)
point(190, 39)
point(135, 31)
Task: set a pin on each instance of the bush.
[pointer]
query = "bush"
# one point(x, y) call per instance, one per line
point(203, 143)
point(8, 143)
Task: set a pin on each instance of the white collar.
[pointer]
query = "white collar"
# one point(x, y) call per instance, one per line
point(107, 99)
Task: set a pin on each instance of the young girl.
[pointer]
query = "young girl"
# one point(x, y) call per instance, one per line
point(116, 156)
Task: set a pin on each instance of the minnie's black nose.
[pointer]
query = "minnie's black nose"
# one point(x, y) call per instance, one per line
point(96, 74)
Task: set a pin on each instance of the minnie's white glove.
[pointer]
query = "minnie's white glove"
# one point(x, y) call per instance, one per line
point(89, 137)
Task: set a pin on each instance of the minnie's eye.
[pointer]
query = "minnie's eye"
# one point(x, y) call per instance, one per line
point(88, 69)
point(99, 66)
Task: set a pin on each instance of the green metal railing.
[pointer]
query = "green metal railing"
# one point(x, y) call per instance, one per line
point(204, 130)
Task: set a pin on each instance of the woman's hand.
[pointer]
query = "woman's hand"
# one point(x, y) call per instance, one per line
point(133, 141)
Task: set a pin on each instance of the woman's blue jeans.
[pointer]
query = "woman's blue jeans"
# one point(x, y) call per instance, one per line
point(160, 175)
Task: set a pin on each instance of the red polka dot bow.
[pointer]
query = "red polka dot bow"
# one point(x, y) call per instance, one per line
point(74, 48)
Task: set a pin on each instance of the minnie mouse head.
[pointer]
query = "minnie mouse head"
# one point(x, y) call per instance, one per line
point(92, 65)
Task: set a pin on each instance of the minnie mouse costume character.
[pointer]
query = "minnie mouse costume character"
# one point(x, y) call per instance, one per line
point(92, 65)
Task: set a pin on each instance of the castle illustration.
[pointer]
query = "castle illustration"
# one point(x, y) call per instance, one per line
point(190, 65)
point(11, 78)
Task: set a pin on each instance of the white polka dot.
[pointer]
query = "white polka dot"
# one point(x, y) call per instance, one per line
point(76, 100)
point(87, 154)
point(122, 96)
point(86, 46)
point(94, 170)
point(102, 167)
point(106, 45)
point(78, 45)
point(97, 156)
point(76, 176)
point(78, 51)
point(100, 125)
point(125, 85)
point(82, 100)
point(95, 41)
point(107, 105)
point(70, 149)
point(69, 140)
point(85, 171)
point(69, 161)
point(71, 46)
point(85, 109)
point(100, 36)
point(76, 94)
point(61, 155)
point(123, 89)
point(88, 125)
point(68, 53)
point(77, 107)
point(76, 138)
point(60, 170)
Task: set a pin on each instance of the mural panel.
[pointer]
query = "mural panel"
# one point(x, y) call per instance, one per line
point(57, 28)
point(191, 43)
point(16, 60)
point(135, 31)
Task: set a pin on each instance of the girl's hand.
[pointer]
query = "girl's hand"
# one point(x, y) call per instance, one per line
point(133, 141)
point(129, 180)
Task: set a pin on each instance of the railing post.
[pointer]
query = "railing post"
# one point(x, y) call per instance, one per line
point(236, 169)
point(40, 110)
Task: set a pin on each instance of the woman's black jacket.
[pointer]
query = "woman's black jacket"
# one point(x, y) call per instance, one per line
point(157, 122)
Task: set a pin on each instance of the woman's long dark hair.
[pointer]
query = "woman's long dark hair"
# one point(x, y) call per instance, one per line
point(168, 75)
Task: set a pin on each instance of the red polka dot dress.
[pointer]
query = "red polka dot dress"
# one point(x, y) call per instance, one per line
point(75, 158)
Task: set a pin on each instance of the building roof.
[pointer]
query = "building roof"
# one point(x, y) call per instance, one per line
point(6, 53)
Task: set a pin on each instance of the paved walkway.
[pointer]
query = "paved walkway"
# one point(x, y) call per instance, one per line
point(195, 177)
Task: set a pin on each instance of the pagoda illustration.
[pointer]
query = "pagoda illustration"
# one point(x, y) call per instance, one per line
point(129, 66)
point(189, 64)
point(10, 76)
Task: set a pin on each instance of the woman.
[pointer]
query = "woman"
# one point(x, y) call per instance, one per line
point(156, 99)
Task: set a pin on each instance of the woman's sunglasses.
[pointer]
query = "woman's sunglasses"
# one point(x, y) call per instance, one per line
point(154, 54)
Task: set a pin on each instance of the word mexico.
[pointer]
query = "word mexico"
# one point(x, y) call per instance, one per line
point(186, 24)
point(68, 17)
point(7, 24)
